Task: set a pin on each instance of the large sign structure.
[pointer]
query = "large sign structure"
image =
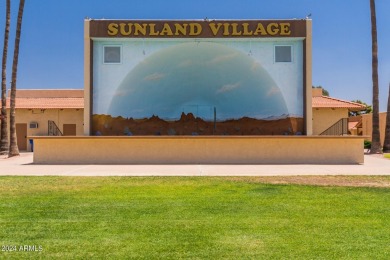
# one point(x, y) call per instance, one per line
point(197, 77)
point(204, 29)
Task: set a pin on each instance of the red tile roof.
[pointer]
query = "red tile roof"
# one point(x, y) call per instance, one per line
point(49, 93)
point(48, 103)
point(48, 98)
point(328, 102)
point(352, 125)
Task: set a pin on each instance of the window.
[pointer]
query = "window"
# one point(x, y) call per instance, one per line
point(283, 53)
point(33, 125)
point(112, 54)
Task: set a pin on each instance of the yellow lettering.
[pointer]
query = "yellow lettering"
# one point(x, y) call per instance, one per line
point(152, 30)
point(273, 28)
point(215, 28)
point(226, 29)
point(181, 29)
point(122, 28)
point(260, 30)
point(235, 31)
point(112, 29)
point(246, 29)
point(166, 30)
point(195, 29)
point(138, 28)
point(285, 29)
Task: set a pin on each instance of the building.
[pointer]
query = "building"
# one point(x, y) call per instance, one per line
point(367, 126)
point(332, 114)
point(47, 112)
point(199, 91)
point(197, 77)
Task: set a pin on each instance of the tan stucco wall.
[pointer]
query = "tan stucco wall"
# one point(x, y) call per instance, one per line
point(367, 126)
point(59, 116)
point(308, 78)
point(193, 150)
point(323, 118)
point(87, 79)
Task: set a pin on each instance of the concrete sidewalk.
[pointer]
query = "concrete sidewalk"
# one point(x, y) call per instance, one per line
point(23, 166)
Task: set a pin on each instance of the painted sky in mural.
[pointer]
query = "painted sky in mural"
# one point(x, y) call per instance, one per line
point(166, 78)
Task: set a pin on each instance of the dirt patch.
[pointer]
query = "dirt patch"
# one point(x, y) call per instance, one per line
point(342, 181)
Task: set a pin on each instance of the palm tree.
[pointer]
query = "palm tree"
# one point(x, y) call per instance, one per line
point(13, 148)
point(386, 145)
point(376, 143)
point(4, 126)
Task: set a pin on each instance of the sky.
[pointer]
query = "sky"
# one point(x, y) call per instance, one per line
point(51, 48)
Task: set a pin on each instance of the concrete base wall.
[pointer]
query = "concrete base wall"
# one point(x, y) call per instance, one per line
point(198, 150)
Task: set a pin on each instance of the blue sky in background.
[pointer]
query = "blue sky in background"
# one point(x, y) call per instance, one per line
point(51, 54)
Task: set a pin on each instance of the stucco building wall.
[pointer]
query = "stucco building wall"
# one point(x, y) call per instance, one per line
point(59, 116)
point(323, 118)
point(367, 126)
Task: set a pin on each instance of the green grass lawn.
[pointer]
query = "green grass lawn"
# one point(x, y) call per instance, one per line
point(198, 218)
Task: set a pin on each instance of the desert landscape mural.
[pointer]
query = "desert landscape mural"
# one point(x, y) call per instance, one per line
point(190, 125)
point(197, 88)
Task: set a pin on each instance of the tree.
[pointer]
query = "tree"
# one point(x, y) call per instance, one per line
point(368, 109)
point(13, 148)
point(4, 125)
point(375, 143)
point(386, 145)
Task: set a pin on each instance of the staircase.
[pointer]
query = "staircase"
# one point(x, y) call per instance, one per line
point(52, 129)
point(338, 128)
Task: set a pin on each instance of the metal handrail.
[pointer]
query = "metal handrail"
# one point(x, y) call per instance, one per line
point(338, 128)
point(52, 129)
